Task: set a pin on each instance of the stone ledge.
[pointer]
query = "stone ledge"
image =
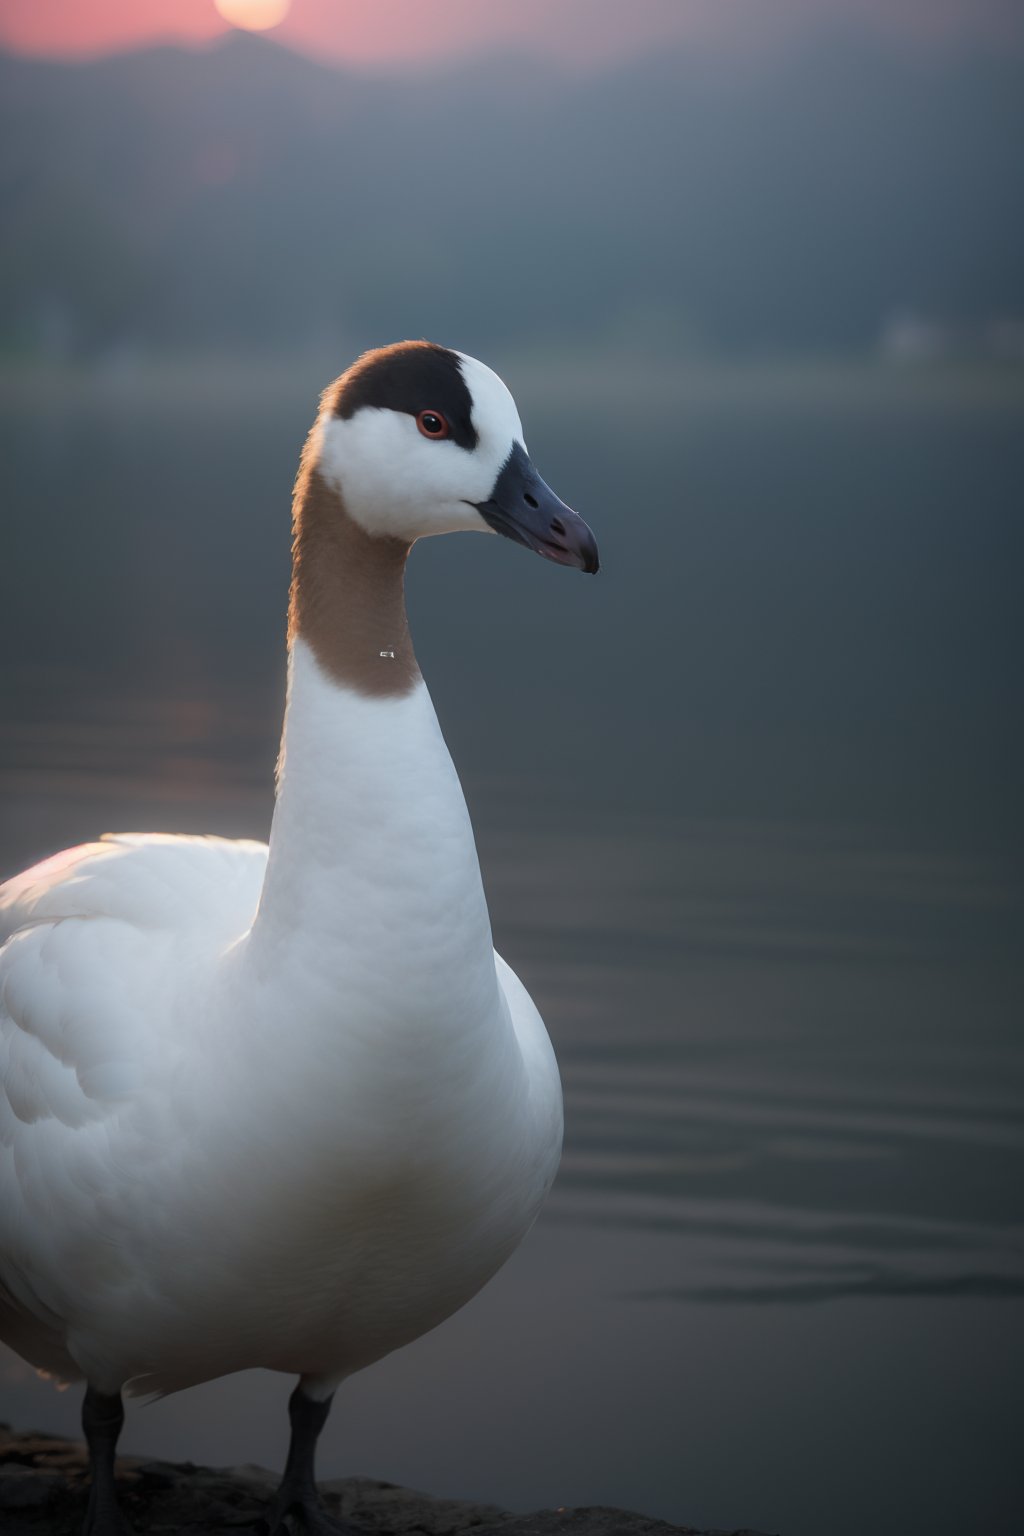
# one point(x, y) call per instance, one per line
point(43, 1490)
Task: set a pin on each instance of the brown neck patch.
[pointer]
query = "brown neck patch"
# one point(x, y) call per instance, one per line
point(348, 592)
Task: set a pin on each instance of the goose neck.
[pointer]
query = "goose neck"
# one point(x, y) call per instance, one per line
point(348, 594)
point(373, 886)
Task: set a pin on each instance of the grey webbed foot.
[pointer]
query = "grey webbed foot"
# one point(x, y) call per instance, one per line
point(300, 1512)
point(298, 1508)
point(106, 1520)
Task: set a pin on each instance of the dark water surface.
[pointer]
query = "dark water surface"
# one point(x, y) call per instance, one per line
point(748, 813)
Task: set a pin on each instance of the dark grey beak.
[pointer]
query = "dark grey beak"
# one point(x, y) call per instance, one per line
point(523, 508)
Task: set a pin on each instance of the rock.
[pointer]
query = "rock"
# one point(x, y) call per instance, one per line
point(595, 1520)
point(385, 1507)
point(44, 1480)
point(27, 1488)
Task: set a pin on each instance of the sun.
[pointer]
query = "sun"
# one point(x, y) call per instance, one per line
point(254, 15)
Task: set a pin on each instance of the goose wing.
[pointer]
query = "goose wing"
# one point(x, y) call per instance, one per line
point(149, 879)
point(94, 943)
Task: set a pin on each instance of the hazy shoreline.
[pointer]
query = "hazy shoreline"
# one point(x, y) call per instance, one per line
point(571, 377)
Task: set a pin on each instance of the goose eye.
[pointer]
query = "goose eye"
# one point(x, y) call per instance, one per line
point(433, 424)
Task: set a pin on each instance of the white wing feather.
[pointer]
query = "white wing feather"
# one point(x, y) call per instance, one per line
point(92, 944)
point(150, 879)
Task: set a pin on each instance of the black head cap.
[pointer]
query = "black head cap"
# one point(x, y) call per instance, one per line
point(411, 376)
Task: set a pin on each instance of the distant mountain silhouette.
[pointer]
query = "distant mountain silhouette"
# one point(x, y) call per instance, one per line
point(247, 197)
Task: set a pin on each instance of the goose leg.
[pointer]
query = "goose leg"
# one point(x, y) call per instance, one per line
point(102, 1418)
point(297, 1500)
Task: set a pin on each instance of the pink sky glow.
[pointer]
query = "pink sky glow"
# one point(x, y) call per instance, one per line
point(580, 32)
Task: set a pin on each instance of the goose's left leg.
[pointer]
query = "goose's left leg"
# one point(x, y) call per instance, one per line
point(297, 1497)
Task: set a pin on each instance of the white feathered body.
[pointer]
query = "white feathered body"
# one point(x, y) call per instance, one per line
point(287, 1113)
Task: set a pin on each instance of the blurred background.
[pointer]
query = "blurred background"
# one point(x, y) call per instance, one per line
point(747, 804)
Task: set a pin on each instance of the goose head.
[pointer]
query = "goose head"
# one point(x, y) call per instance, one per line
point(418, 440)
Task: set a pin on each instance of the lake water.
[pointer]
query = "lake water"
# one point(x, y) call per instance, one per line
point(748, 812)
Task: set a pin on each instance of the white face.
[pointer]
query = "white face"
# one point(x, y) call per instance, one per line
point(394, 480)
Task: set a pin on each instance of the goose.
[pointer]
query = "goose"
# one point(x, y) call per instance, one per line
point(284, 1106)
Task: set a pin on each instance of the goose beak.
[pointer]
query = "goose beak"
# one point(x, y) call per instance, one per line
point(523, 508)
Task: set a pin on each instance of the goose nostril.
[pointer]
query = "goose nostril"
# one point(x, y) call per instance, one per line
point(557, 526)
point(531, 501)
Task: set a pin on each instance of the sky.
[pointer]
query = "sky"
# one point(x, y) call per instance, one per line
point(575, 32)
